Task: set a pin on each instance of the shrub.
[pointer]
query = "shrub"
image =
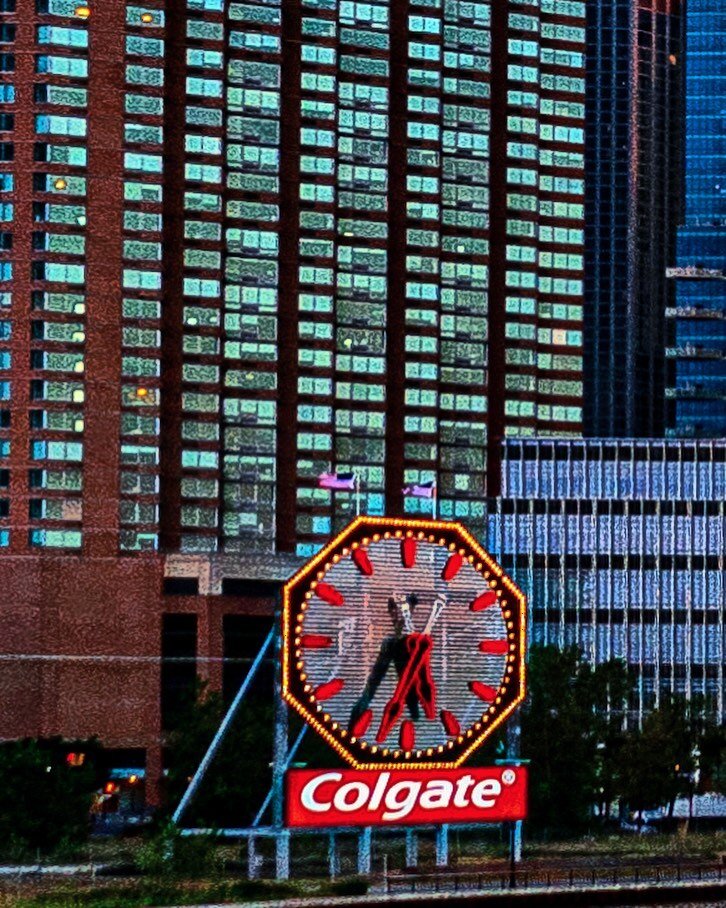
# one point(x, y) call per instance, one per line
point(44, 802)
point(353, 885)
point(169, 854)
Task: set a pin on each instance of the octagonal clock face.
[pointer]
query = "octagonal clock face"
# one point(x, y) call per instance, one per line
point(403, 643)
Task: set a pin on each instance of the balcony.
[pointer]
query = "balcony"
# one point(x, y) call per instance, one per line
point(690, 352)
point(696, 312)
point(695, 392)
point(696, 273)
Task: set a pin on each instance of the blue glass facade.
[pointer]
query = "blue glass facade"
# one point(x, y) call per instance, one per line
point(632, 180)
point(698, 384)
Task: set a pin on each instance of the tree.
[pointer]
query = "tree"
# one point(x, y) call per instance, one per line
point(44, 798)
point(712, 756)
point(656, 763)
point(239, 777)
point(567, 725)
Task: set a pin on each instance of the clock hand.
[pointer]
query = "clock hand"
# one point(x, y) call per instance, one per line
point(439, 605)
point(403, 603)
point(418, 645)
point(425, 687)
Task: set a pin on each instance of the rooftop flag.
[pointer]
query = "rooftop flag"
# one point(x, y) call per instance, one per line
point(337, 481)
point(421, 489)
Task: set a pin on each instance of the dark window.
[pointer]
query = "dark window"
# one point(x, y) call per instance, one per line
point(121, 758)
point(7, 63)
point(7, 151)
point(7, 6)
point(178, 665)
point(6, 241)
point(7, 32)
point(243, 637)
point(236, 586)
point(35, 508)
point(4, 419)
point(35, 479)
point(181, 586)
point(7, 122)
point(4, 507)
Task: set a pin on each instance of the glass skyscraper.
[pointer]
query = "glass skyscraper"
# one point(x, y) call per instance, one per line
point(633, 167)
point(697, 356)
point(244, 244)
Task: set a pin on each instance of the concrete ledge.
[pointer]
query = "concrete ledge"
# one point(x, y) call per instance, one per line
point(607, 895)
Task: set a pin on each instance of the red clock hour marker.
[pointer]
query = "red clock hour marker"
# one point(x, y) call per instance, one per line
point(494, 647)
point(408, 552)
point(363, 562)
point(315, 641)
point(363, 723)
point(485, 601)
point(329, 594)
point(329, 689)
point(452, 567)
point(450, 723)
point(407, 739)
point(483, 691)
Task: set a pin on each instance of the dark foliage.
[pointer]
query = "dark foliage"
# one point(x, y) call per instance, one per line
point(45, 802)
point(239, 777)
point(565, 734)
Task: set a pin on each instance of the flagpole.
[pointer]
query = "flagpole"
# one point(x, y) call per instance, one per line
point(357, 495)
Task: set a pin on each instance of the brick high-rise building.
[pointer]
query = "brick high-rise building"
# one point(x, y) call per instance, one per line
point(633, 174)
point(244, 244)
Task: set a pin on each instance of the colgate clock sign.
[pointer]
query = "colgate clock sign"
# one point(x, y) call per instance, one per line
point(403, 647)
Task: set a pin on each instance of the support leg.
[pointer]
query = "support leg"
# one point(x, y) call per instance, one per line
point(253, 859)
point(282, 855)
point(279, 762)
point(333, 862)
point(518, 841)
point(364, 851)
point(442, 846)
point(411, 849)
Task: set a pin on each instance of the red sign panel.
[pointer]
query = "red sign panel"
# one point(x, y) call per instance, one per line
point(345, 797)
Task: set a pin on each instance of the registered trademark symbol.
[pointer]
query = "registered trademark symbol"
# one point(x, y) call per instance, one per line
point(509, 776)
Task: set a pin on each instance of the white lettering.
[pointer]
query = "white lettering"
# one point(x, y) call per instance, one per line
point(437, 794)
point(379, 791)
point(480, 791)
point(360, 792)
point(462, 786)
point(307, 795)
point(397, 807)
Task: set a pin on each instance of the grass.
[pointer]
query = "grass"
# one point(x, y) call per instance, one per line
point(215, 880)
point(159, 892)
point(701, 846)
